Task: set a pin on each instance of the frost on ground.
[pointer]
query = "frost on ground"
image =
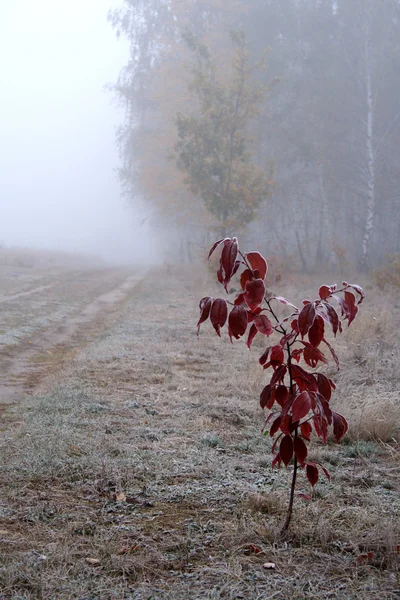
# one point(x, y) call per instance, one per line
point(135, 467)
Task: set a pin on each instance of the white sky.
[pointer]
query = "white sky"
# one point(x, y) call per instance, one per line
point(58, 186)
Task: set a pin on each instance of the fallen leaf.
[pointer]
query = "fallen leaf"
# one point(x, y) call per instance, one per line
point(120, 497)
point(252, 549)
point(362, 558)
point(94, 562)
point(269, 565)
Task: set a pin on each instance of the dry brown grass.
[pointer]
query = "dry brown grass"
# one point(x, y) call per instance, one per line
point(145, 454)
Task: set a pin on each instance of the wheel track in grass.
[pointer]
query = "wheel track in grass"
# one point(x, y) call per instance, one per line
point(97, 299)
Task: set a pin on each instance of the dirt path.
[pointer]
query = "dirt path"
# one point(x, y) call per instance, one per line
point(60, 317)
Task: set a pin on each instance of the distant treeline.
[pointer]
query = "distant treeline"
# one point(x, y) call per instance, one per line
point(327, 133)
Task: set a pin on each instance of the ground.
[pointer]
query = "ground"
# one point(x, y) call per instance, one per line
point(133, 462)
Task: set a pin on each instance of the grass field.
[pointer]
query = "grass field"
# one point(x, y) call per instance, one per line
point(133, 464)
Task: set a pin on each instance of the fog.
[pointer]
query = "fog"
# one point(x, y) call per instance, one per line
point(58, 158)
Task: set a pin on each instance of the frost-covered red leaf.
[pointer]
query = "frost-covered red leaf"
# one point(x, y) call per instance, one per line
point(352, 308)
point(300, 450)
point(257, 261)
point(252, 334)
point(267, 397)
point(312, 473)
point(285, 301)
point(237, 321)
point(277, 356)
point(239, 299)
point(218, 314)
point(335, 356)
point(281, 395)
point(301, 406)
point(215, 246)
point(275, 426)
point(316, 331)
point(254, 293)
point(331, 316)
point(246, 276)
point(340, 426)
point(306, 429)
point(324, 291)
point(306, 318)
point(313, 356)
point(228, 259)
point(263, 324)
point(324, 386)
point(205, 307)
point(286, 449)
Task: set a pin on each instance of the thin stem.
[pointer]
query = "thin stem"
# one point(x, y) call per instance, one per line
point(291, 500)
point(295, 463)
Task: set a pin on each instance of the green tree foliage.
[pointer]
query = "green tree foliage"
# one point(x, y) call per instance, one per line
point(214, 140)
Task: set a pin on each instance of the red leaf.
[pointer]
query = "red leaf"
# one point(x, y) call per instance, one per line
point(279, 374)
point(362, 558)
point(254, 549)
point(254, 294)
point(228, 259)
point(301, 406)
point(340, 426)
point(239, 300)
point(352, 309)
point(275, 426)
point(300, 450)
point(281, 394)
point(312, 473)
point(306, 430)
point(283, 300)
point(296, 353)
point(238, 321)
point(215, 246)
point(286, 424)
point(326, 472)
point(266, 397)
point(324, 291)
point(263, 324)
point(263, 359)
point(324, 387)
point(277, 355)
point(305, 497)
point(313, 356)
point(205, 307)
point(218, 314)
point(286, 449)
point(332, 317)
point(306, 318)
point(335, 357)
point(316, 331)
point(305, 381)
point(321, 428)
point(276, 461)
point(252, 334)
point(359, 291)
point(246, 276)
point(258, 262)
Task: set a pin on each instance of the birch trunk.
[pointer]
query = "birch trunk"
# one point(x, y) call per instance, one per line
point(370, 152)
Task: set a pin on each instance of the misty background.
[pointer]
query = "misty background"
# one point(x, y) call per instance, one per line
point(58, 183)
point(308, 172)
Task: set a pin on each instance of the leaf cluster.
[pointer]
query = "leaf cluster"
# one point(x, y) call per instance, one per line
point(297, 395)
